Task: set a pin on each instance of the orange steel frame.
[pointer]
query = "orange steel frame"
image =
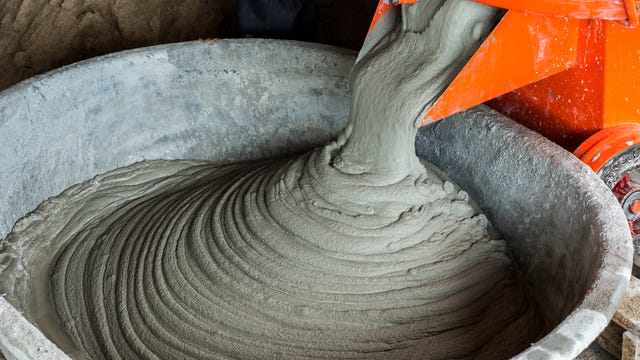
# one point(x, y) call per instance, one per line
point(565, 68)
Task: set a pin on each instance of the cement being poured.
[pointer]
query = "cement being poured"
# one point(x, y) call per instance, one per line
point(353, 250)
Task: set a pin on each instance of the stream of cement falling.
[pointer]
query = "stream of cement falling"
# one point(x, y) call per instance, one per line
point(353, 250)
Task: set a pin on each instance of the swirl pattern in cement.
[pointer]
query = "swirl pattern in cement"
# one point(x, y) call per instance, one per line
point(248, 260)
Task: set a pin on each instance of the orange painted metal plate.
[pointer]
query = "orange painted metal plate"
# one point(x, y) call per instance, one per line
point(602, 90)
point(578, 9)
point(567, 107)
point(523, 48)
point(621, 74)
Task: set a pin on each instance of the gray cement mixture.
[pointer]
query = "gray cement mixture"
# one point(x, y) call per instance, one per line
point(353, 250)
point(42, 35)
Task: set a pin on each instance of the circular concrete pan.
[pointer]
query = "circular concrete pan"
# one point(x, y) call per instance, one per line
point(236, 99)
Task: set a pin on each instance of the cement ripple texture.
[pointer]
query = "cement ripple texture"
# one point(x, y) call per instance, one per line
point(258, 260)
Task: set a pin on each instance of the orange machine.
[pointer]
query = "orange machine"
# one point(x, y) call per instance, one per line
point(568, 69)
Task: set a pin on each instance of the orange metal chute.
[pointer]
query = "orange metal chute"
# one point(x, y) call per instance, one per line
point(577, 9)
point(600, 90)
point(565, 68)
point(522, 49)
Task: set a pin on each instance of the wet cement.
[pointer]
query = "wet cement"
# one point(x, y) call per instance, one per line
point(353, 250)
